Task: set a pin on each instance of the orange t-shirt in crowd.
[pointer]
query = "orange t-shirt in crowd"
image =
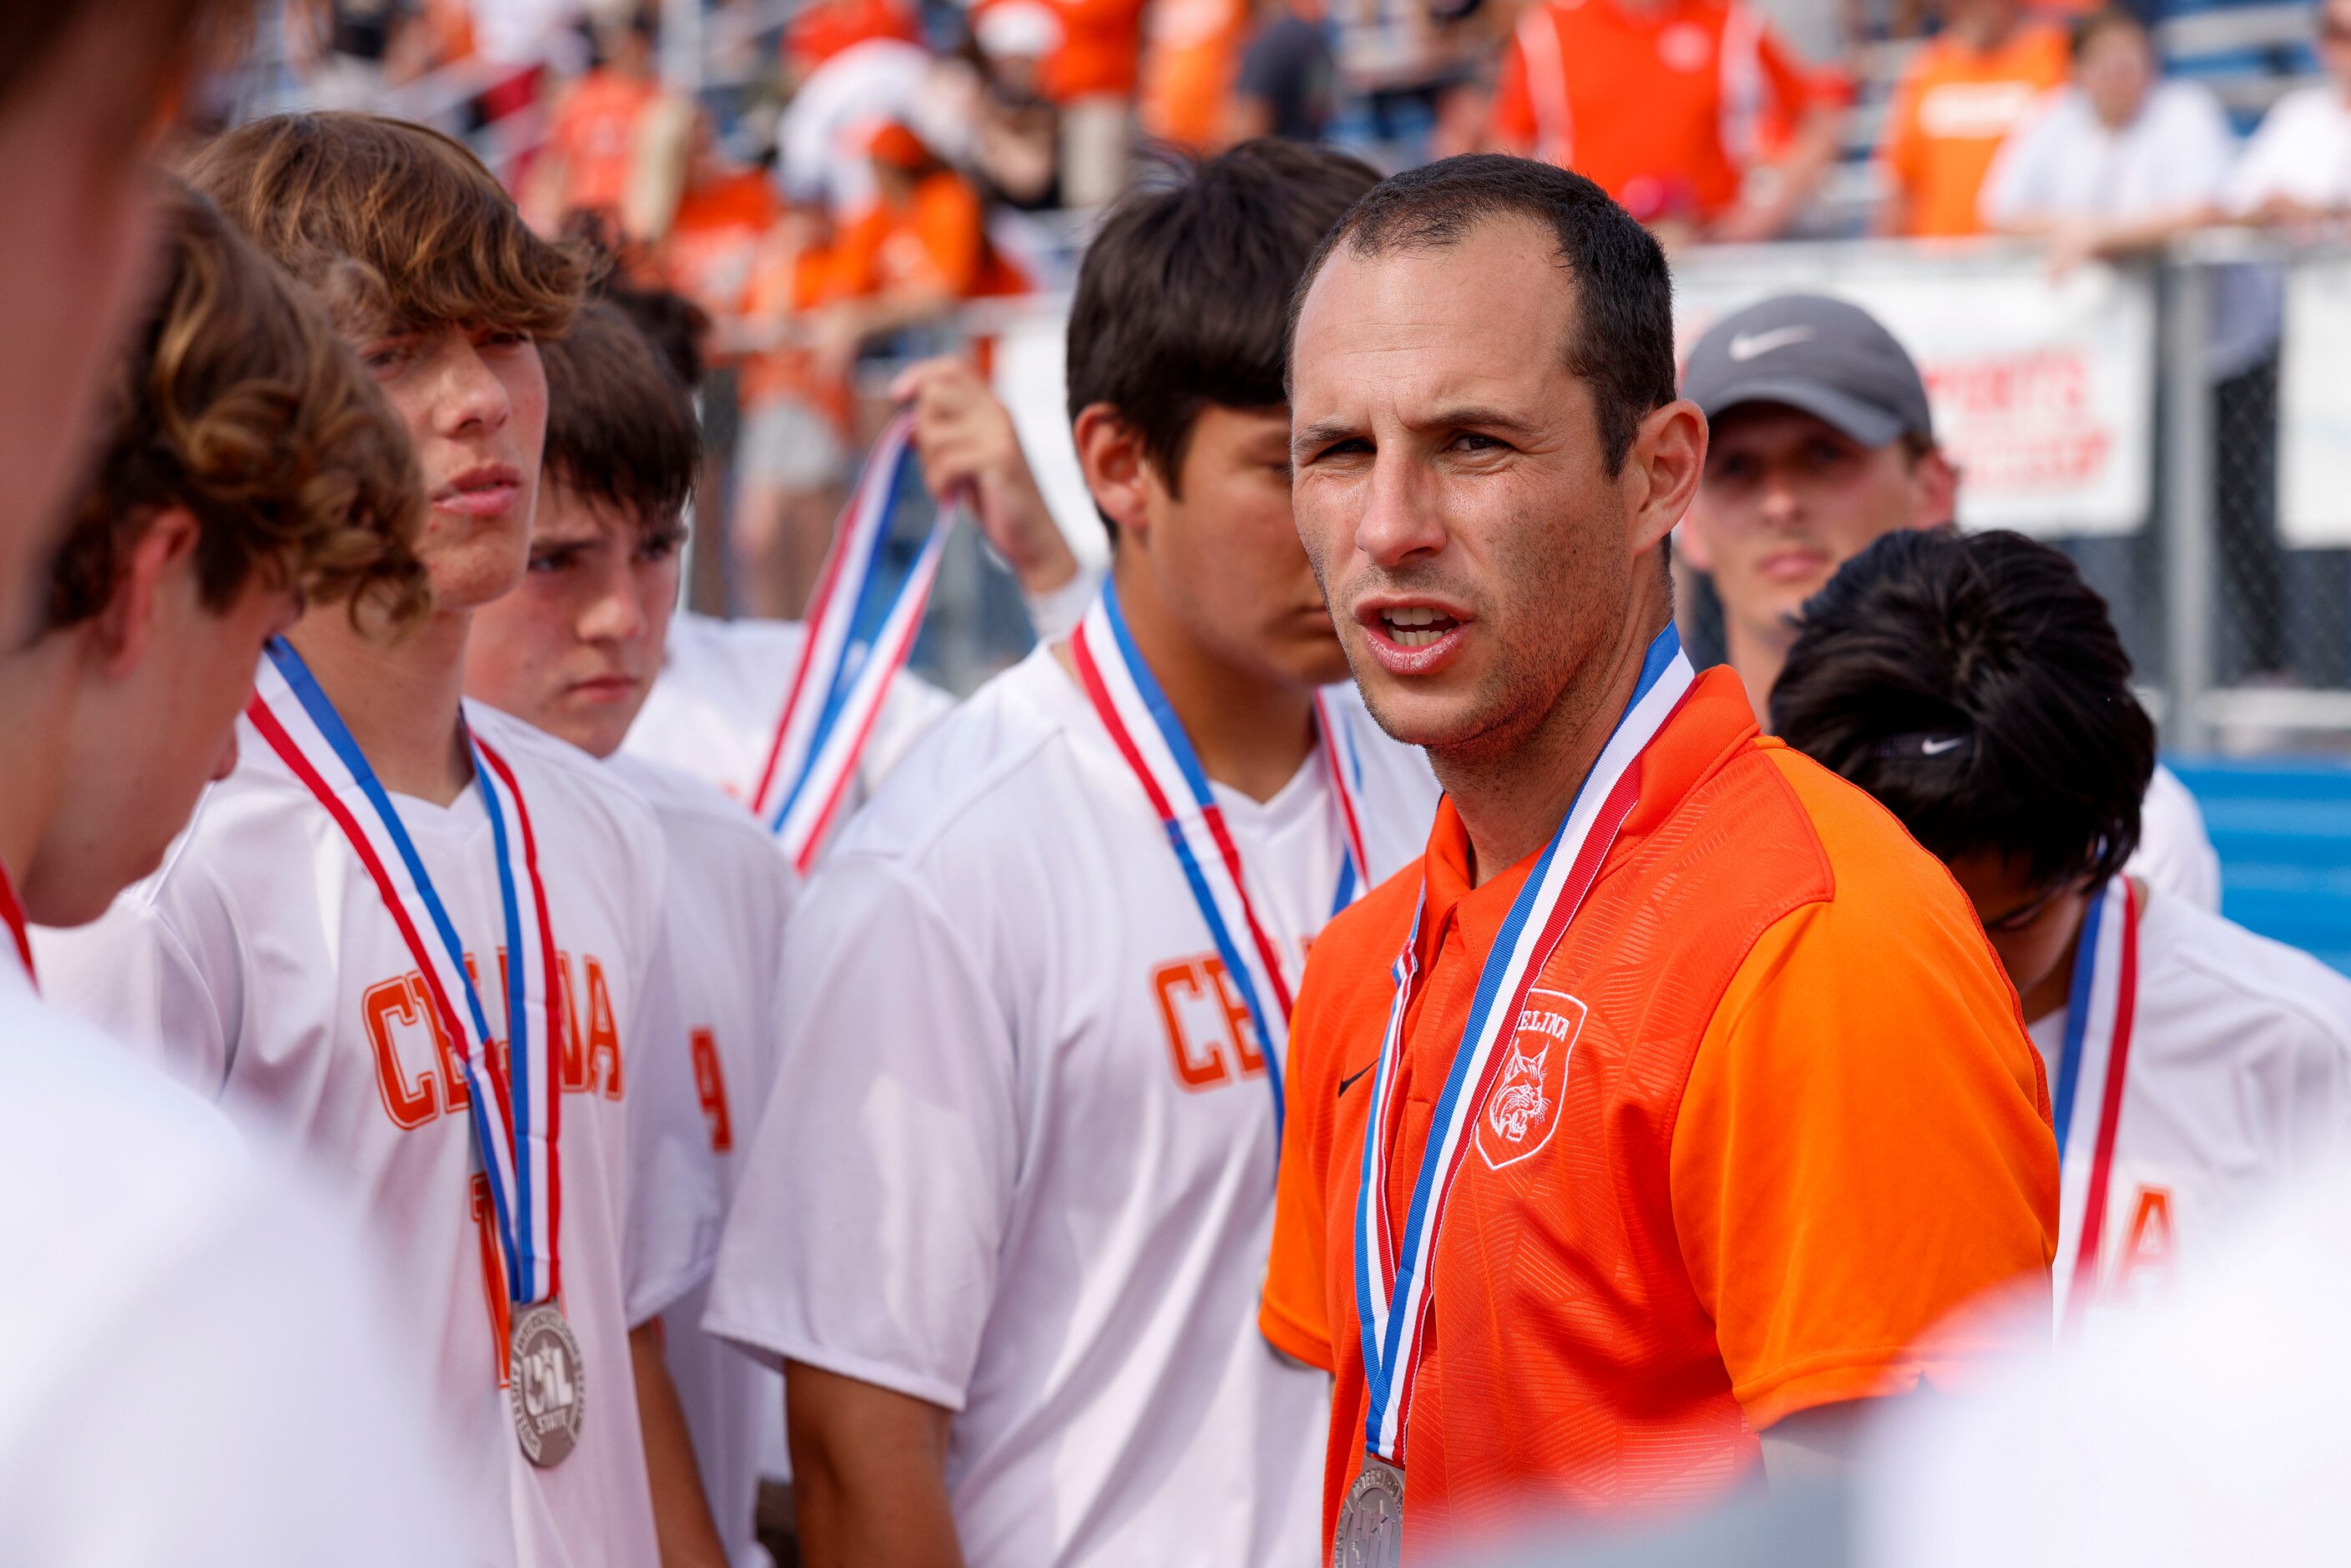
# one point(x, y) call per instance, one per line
point(1775, 1117)
point(939, 239)
point(712, 251)
point(1951, 110)
point(594, 132)
point(824, 29)
point(1191, 56)
point(1665, 110)
point(1102, 43)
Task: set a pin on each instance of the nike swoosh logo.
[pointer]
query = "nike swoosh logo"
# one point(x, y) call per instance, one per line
point(1745, 346)
point(1937, 747)
point(1348, 1081)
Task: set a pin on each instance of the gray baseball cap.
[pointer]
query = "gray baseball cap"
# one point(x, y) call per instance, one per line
point(1826, 357)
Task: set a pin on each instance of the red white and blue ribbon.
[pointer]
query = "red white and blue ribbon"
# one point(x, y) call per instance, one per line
point(849, 658)
point(1141, 724)
point(515, 1091)
point(12, 915)
point(2091, 1072)
point(1392, 1274)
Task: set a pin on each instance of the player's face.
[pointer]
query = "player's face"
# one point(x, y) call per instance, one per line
point(1451, 488)
point(575, 649)
point(1224, 551)
point(474, 401)
point(76, 198)
point(2032, 927)
point(1787, 498)
point(159, 724)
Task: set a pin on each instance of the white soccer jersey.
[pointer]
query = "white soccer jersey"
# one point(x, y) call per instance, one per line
point(2175, 852)
point(1019, 1157)
point(177, 1382)
point(730, 887)
point(713, 710)
point(2238, 1074)
point(260, 965)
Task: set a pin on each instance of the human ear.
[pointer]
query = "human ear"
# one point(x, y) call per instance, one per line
point(158, 564)
point(1667, 457)
point(1110, 450)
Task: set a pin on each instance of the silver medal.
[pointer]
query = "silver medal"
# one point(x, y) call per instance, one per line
point(547, 1385)
point(1371, 1522)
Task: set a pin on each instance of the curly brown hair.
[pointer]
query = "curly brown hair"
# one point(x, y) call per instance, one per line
point(397, 228)
point(237, 403)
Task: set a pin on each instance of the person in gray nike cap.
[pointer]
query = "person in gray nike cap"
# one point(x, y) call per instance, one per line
point(1820, 441)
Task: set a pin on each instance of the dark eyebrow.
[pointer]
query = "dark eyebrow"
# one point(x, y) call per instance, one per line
point(1474, 418)
point(1316, 436)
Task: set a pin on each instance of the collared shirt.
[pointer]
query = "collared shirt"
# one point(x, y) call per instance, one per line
point(1769, 1115)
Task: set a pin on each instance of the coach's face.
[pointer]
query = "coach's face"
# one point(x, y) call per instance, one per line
point(1453, 494)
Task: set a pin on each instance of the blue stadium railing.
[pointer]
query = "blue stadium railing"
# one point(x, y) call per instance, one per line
point(2283, 831)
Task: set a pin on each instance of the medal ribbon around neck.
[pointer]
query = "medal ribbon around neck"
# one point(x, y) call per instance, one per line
point(845, 667)
point(1144, 726)
point(1392, 1278)
point(12, 914)
point(515, 1114)
point(2099, 1012)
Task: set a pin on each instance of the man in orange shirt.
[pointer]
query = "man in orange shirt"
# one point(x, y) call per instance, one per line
point(1696, 1099)
point(1964, 92)
point(1671, 106)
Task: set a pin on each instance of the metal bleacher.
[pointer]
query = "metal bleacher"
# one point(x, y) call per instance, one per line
point(2283, 829)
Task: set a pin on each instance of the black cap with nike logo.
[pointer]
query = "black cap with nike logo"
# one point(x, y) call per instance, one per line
point(1826, 357)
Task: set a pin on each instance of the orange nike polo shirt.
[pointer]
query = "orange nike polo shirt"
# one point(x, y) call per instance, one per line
point(1770, 1116)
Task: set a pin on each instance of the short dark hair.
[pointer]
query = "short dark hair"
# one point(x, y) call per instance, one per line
point(1621, 345)
point(1182, 296)
point(1974, 684)
point(619, 426)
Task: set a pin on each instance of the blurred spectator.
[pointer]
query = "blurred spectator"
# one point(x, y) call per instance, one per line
point(1016, 132)
point(2118, 161)
point(609, 145)
point(1408, 73)
point(1286, 83)
point(2298, 165)
point(1191, 53)
point(1963, 93)
point(909, 258)
point(1665, 104)
point(1091, 75)
point(791, 456)
point(854, 72)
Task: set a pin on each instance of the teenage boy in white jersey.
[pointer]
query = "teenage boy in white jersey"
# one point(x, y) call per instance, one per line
point(1819, 440)
point(1974, 684)
point(1004, 1217)
point(714, 710)
point(573, 650)
point(159, 1279)
point(416, 940)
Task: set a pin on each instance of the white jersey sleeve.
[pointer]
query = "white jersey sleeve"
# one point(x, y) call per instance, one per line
point(669, 1237)
point(865, 1233)
point(131, 974)
point(184, 1374)
point(2175, 852)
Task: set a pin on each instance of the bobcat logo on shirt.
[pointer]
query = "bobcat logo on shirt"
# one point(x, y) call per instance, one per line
point(1522, 1108)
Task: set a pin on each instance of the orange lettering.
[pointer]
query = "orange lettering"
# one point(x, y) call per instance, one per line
point(603, 1034)
point(454, 1096)
point(381, 1006)
point(710, 1079)
point(1192, 1072)
point(575, 1061)
point(2147, 1247)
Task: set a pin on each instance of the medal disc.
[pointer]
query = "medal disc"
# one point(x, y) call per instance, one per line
point(547, 1385)
point(1371, 1522)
